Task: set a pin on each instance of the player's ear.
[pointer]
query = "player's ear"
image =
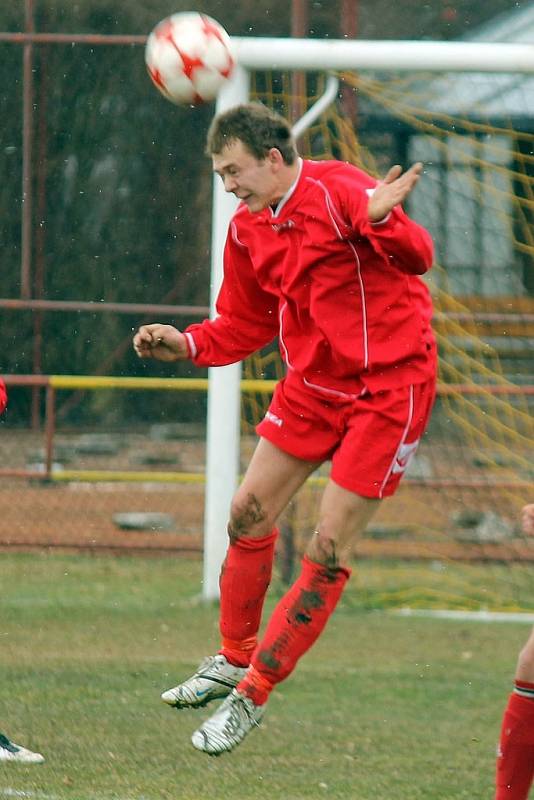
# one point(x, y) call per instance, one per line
point(274, 156)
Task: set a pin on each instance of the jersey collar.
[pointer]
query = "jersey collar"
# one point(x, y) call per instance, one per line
point(276, 212)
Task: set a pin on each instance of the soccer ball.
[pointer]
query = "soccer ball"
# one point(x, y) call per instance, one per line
point(189, 57)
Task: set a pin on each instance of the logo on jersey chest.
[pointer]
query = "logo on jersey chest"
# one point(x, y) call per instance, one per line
point(283, 226)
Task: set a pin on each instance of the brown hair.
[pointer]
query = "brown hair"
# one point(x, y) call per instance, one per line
point(257, 127)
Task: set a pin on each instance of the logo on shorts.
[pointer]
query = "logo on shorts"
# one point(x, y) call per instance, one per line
point(404, 456)
point(274, 419)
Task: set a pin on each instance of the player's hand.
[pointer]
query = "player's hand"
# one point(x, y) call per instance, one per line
point(527, 519)
point(394, 189)
point(162, 342)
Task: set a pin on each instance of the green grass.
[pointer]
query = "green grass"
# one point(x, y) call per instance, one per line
point(382, 707)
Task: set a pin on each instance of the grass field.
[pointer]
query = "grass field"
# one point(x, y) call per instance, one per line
point(383, 706)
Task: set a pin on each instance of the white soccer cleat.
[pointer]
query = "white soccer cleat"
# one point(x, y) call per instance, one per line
point(215, 678)
point(9, 751)
point(227, 728)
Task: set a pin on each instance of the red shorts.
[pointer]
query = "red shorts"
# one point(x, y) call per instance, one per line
point(369, 440)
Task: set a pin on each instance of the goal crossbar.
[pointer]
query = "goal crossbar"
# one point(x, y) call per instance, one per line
point(365, 54)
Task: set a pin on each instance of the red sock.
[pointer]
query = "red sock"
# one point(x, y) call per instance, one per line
point(515, 759)
point(245, 577)
point(295, 624)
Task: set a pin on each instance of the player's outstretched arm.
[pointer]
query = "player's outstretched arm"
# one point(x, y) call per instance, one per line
point(162, 342)
point(527, 519)
point(394, 189)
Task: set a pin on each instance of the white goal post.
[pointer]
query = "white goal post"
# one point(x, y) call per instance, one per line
point(222, 457)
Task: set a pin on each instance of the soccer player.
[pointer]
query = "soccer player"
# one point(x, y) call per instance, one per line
point(321, 255)
point(515, 754)
point(9, 751)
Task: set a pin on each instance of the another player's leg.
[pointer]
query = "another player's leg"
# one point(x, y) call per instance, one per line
point(271, 480)
point(9, 751)
point(296, 623)
point(515, 755)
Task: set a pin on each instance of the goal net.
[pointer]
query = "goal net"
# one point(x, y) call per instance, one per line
point(457, 511)
point(109, 152)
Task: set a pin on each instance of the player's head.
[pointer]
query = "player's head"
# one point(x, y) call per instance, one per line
point(257, 127)
point(253, 150)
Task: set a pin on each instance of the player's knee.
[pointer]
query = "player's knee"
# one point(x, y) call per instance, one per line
point(324, 549)
point(248, 517)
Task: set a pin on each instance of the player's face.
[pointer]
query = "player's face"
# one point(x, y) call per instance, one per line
point(256, 183)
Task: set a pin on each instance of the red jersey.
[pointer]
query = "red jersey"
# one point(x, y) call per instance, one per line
point(3, 396)
point(342, 294)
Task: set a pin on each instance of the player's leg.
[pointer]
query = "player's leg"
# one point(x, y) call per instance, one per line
point(271, 480)
point(296, 622)
point(515, 755)
point(9, 751)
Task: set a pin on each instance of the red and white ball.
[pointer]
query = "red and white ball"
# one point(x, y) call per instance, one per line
point(189, 57)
